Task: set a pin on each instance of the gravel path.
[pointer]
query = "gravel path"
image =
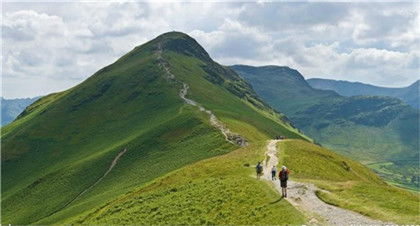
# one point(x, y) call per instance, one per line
point(214, 121)
point(302, 196)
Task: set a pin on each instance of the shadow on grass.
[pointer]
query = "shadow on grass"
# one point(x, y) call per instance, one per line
point(274, 202)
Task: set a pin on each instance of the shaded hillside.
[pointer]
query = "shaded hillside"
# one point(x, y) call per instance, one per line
point(64, 154)
point(409, 95)
point(367, 128)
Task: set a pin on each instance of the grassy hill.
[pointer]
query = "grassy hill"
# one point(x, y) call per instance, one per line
point(177, 168)
point(64, 142)
point(11, 108)
point(223, 190)
point(220, 190)
point(348, 184)
point(380, 131)
point(409, 94)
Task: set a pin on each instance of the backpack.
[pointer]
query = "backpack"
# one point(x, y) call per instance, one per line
point(259, 168)
point(284, 175)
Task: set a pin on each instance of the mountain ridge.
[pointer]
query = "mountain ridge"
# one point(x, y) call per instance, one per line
point(135, 144)
point(130, 105)
point(371, 129)
point(409, 94)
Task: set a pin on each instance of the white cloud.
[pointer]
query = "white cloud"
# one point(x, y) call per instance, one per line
point(54, 46)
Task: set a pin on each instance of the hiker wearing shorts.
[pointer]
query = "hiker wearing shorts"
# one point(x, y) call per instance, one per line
point(283, 177)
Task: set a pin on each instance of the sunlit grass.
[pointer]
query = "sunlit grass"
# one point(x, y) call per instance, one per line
point(350, 184)
point(215, 191)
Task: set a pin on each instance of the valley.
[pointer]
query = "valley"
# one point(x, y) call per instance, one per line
point(369, 129)
point(166, 135)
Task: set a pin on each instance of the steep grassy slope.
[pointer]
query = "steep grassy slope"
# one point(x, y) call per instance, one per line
point(368, 128)
point(60, 145)
point(11, 108)
point(220, 190)
point(223, 190)
point(348, 184)
point(409, 94)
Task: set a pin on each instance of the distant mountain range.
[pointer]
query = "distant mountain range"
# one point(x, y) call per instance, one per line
point(368, 128)
point(11, 108)
point(167, 136)
point(409, 94)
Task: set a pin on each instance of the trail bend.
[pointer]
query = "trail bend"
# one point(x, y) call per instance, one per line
point(214, 121)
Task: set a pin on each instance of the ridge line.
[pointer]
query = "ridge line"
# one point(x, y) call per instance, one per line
point(231, 137)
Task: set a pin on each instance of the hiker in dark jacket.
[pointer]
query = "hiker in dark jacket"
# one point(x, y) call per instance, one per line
point(273, 173)
point(284, 176)
point(259, 169)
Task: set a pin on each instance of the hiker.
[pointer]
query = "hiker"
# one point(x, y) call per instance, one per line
point(283, 177)
point(259, 169)
point(273, 173)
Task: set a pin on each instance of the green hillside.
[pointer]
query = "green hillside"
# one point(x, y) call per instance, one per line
point(223, 190)
point(409, 94)
point(380, 131)
point(220, 190)
point(348, 184)
point(64, 142)
point(124, 147)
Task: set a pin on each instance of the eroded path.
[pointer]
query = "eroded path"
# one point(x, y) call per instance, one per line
point(113, 163)
point(214, 121)
point(302, 196)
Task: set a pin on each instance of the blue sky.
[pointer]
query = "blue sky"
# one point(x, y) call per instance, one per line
point(49, 47)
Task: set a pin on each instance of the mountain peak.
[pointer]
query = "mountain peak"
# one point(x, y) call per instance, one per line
point(173, 34)
point(181, 43)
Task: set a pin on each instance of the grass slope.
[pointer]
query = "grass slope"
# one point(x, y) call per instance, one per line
point(214, 191)
point(223, 190)
point(370, 129)
point(349, 184)
point(64, 142)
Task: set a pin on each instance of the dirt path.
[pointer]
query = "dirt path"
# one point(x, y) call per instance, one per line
point(214, 121)
point(302, 196)
point(113, 163)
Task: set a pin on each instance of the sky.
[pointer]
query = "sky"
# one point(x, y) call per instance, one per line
point(49, 47)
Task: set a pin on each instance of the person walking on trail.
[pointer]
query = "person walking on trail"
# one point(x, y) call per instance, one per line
point(259, 169)
point(273, 173)
point(284, 176)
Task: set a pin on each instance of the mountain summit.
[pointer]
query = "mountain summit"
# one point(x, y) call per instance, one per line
point(164, 105)
point(165, 135)
point(181, 43)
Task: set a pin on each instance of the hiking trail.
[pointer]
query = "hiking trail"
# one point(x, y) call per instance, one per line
point(214, 121)
point(113, 163)
point(303, 197)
